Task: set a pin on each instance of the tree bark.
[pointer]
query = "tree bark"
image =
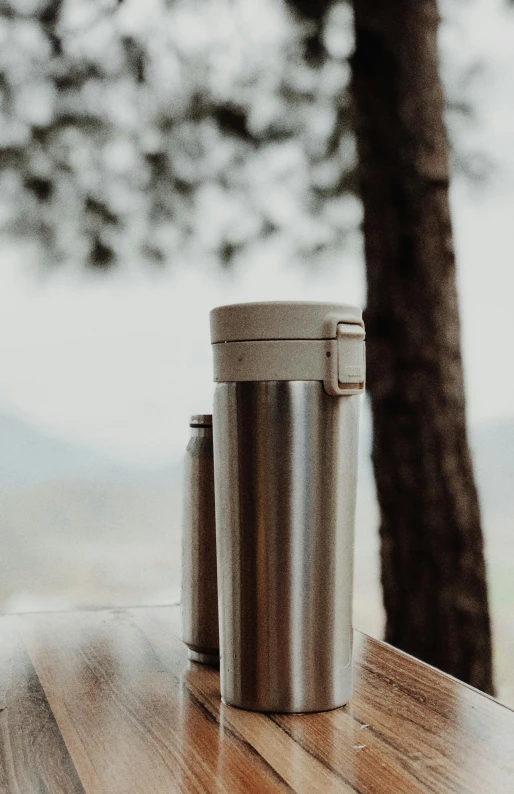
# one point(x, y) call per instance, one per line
point(433, 571)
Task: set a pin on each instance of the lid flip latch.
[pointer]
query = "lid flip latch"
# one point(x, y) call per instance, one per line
point(347, 368)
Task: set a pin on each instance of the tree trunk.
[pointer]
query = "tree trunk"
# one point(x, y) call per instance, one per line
point(433, 571)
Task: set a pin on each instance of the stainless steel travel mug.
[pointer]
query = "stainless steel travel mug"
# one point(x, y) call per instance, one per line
point(286, 410)
point(199, 579)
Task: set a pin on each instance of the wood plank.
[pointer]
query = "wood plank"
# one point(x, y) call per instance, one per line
point(129, 724)
point(303, 772)
point(464, 739)
point(33, 756)
point(417, 730)
point(135, 716)
point(407, 728)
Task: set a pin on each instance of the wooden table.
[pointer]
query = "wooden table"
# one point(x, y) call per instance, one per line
point(105, 702)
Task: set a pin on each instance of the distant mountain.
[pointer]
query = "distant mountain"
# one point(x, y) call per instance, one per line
point(29, 455)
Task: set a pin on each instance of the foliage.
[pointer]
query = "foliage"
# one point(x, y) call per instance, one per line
point(176, 130)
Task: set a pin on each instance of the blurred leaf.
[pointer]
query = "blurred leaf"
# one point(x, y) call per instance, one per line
point(41, 187)
point(101, 256)
point(99, 208)
point(232, 121)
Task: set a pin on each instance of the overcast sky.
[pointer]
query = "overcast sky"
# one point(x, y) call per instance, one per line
point(120, 362)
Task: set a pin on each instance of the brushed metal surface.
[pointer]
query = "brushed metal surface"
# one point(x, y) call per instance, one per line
point(286, 462)
point(199, 575)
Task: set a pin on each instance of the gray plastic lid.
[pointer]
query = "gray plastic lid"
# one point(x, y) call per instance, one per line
point(280, 320)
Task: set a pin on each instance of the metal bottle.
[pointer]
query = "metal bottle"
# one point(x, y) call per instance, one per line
point(286, 414)
point(199, 578)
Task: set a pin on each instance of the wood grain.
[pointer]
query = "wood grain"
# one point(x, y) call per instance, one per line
point(33, 756)
point(129, 723)
point(107, 703)
point(295, 765)
point(406, 729)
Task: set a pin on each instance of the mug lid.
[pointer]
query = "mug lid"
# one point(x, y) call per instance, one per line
point(280, 320)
